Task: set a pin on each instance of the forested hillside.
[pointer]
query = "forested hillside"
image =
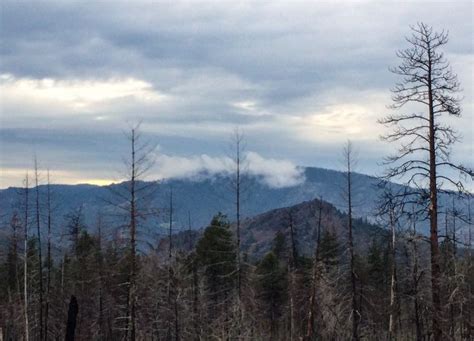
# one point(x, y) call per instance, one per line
point(294, 271)
point(197, 199)
point(202, 196)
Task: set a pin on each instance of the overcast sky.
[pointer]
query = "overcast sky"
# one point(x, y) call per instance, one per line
point(299, 78)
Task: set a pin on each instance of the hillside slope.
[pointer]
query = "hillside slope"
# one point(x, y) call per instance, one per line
point(201, 198)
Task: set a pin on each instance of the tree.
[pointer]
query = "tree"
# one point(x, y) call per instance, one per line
point(26, 192)
point(137, 195)
point(10, 303)
point(40, 258)
point(271, 285)
point(239, 161)
point(391, 210)
point(292, 267)
point(216, 256)
point(315, 274)
point(49, 259)
point(349, 161)
point(71, 319)
point(427, 83)
point(74, 226)
point(416, 276)
point(172, 299)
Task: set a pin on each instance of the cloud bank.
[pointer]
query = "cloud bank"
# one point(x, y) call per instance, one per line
point(299, 78)
point(271, 172)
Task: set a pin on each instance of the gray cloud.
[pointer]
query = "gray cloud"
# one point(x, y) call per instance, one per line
point(300, 78)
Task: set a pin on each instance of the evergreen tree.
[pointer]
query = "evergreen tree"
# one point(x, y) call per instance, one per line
point(271, 285)
point(216, 257)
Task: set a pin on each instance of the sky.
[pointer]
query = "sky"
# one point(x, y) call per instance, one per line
point(298, 78)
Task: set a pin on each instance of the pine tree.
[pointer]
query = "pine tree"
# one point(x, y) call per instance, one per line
point(216, 256)
point(271, 285)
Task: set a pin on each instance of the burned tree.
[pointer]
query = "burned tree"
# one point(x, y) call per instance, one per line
point(239, 164)
point(40, 258)
point(133, 198)
point(49, 259)
point(315, 275)
point(349, 161)
point(391, 210)
point(26, 192)
point(429, 86)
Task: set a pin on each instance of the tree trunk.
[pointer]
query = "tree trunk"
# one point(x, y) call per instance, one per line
point(355, 314)
point(433, 214)
point(133, 215)
point(71, 319)
point(40, 258)
point(25, 268)
point(291, 303)
point(314, 280)
point(170, 270)
point(237, 204)
point(391, 323)
point(197, 330)
point(49, 260)
point(416, 278)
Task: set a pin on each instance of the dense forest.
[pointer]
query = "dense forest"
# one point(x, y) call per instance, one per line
point(320, 274)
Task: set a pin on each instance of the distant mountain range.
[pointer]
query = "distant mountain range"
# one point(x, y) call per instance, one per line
point(200, 198)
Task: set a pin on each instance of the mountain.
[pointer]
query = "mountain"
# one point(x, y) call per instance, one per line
point(258, 232)
point(202, 197)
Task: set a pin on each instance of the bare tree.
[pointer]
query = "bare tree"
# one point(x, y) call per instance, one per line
point(315, 276)
point(172, 300)
point(427, 82)
point(349, 160)
point(416, 277)
point(48, 256)
point(100, 277)
point(292, 265)
point(239, 161)
point(133, 197)
point(26, 192)
point(391, 206)
point(40, 258)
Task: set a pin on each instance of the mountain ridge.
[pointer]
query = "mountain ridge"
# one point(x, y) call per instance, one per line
point(199, 198)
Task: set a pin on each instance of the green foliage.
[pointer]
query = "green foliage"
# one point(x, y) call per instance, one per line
point(271, 286)
point(377, 265)
point(216, 255)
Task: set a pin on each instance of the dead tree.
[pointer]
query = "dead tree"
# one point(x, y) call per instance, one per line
point(416, 276)
point(48, 256)
point(40, 258)
point(132, 198)
point(292, 266)
point(100, 277)
point(26, 192)
point(428, 82)
point(239, 162)
point(349, 161)
point(391, 209)
point(314, 280)
point(172, 296)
